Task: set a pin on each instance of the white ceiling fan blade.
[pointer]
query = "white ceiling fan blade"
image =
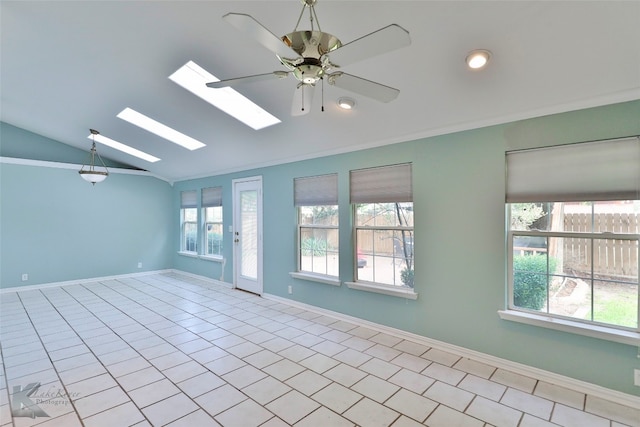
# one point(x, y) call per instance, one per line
point(302, 100)
point(384, 40)
point(364, 87)
point(248, 79)
point(247, 24)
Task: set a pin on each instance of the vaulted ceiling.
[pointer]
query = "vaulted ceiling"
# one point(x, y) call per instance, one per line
point(70, 66)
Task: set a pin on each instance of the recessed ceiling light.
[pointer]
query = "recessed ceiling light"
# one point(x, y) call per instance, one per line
point(147, 123)
point(124, 148)
point(478, 58)
point(346, 103)
point(195, 78)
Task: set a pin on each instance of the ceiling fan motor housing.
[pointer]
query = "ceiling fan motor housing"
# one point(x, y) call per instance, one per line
point(311, 46)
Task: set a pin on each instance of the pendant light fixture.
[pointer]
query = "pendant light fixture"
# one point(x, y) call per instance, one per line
point(89, 172)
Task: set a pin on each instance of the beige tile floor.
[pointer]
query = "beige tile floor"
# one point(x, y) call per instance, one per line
point(172, 350)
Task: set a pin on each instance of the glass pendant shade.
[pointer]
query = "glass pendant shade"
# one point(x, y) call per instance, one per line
point(93, 176)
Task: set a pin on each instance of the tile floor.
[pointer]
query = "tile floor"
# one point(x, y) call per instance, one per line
point(171, 350)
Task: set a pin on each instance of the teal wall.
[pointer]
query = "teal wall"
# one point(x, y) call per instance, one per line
point(49, 217)
point(56, 227)
point(460, 265)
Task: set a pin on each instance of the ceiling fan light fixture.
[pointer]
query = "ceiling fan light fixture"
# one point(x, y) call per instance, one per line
point(478, 59)
point(346, 103)
point(311, 55)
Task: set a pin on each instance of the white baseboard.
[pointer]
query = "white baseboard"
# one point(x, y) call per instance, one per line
point(80, 281)
point(204, 278)
point(116, 277)
point(519, 368)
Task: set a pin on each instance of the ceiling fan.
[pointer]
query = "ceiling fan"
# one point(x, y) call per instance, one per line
point(312, 55)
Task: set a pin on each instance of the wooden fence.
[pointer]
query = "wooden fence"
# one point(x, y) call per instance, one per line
point(612, 257)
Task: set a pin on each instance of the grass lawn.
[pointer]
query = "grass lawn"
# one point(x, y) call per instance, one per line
point(622, 312)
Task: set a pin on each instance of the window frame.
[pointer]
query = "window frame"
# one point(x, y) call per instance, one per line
point(392, 229)
point(381, 185)
point(188, 200)
point(315, 192)
point(591, 236)
point(211, 197)
point(602, 170)
point(314, 227)
point(205, 231)
point(183, 232)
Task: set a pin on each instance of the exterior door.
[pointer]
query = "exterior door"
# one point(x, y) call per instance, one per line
point(247, 234)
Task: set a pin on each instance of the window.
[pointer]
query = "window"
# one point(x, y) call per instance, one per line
point(382, 199)
point(212, 224)
point(188, 221)
point(574, 227)
point(316, 199)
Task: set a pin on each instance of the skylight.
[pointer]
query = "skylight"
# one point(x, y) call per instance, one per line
point(124, 148)
point(194, 78)
point(164, 131)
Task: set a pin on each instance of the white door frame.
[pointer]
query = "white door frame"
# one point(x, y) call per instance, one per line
point(240, 281)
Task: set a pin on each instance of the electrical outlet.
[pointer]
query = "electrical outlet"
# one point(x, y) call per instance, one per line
point(25, 277)
point(139, 265)
point(290, 289)
point(636, 377)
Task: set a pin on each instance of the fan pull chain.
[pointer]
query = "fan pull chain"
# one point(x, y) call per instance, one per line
point(322, 108)
point(302, 90)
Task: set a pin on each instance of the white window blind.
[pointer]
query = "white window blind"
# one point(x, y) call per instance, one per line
point(594, 171)
point(316, 190)
point(386, 184)
point(211, 196)
point(189, 199)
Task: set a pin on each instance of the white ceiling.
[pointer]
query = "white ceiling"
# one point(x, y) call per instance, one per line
point(70, 66)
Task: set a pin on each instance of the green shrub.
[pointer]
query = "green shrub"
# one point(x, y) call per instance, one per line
point(406, 275)
point(530, 280)
point(313, 246)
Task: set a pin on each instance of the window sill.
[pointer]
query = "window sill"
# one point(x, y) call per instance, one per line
point(593, 331)
point(407, 293)
point(320, 278)
point(212, 258)
point(188, 254)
